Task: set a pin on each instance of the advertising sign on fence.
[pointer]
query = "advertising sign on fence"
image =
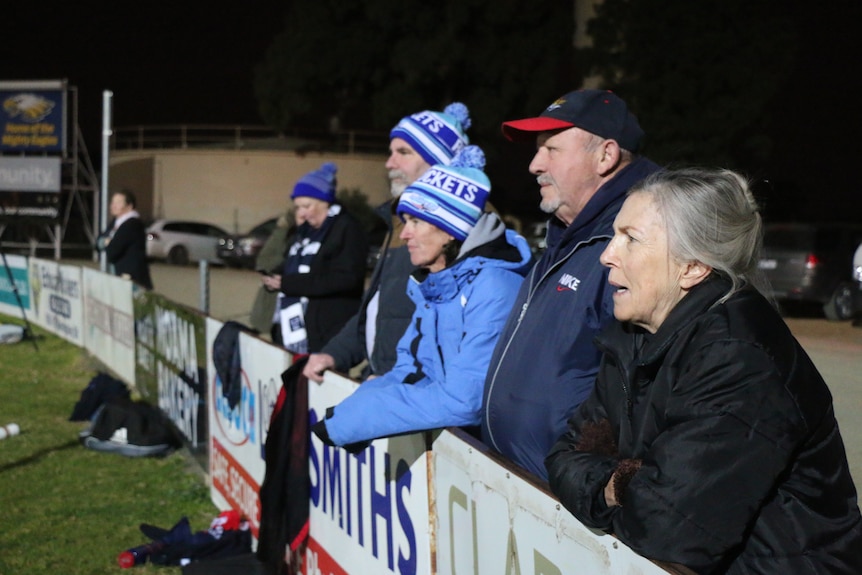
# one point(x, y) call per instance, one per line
point(58, 299)
point(492, 520)
point(171, 368)
point(239, 420)
point(109, 327)
point(421, 503)
point(369, 511)
point(14, 290)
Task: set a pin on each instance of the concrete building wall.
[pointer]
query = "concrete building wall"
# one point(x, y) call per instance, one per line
point(234, 189)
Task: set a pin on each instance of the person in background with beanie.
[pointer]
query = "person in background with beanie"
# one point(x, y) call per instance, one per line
point(545, 362)
point(321, 281)
point(269, 259)
point(417, 142)
point(125, 243)
point(469, 269)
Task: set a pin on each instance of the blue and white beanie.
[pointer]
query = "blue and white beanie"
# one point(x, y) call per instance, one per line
point(318, 184)
point(436, 136)
point(451, 197)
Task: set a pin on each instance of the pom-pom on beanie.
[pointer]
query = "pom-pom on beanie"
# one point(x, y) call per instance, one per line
point(451, 197)
point(436, 136)
point(318, 184)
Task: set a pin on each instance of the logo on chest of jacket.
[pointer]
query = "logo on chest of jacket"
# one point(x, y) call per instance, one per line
point(568, 282)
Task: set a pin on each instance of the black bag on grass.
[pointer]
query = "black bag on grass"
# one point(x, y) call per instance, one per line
point(101, 388)
point(130, 428)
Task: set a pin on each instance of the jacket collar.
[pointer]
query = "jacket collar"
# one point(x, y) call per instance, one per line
point(619, 337)
point(597, 216)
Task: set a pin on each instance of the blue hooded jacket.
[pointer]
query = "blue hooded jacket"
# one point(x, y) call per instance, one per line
point(443, 356)
point(545, 362)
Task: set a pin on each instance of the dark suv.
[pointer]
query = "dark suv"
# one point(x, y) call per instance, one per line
point(812, 263)
point(241, 250)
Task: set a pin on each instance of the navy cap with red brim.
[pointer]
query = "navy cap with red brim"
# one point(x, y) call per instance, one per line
point(600, 112)
point(526, 129)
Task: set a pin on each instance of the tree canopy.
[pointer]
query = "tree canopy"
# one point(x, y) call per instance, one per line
point(699, 75)
point(712, 82)
point(370, 63)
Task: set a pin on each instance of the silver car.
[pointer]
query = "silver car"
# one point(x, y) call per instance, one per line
point(180, 242)
point(857, 267)
point(810, 263)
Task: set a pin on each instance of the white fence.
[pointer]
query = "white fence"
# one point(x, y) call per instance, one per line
point(396, 507)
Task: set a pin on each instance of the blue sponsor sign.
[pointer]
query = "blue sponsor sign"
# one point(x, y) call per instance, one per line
point(32, 117)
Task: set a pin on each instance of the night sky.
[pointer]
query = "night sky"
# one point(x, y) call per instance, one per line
point(179, 65)
point(819, 117)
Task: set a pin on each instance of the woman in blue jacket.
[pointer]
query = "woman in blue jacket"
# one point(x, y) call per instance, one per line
point(469, 270)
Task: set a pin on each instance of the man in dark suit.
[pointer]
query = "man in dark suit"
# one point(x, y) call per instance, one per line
point(125, 244)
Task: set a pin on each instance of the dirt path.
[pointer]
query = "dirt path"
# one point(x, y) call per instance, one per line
point(836, 349)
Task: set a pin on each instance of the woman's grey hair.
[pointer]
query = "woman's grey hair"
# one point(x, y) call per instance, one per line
point(711, 217)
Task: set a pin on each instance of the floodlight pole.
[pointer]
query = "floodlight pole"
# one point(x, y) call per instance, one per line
point(107, 96)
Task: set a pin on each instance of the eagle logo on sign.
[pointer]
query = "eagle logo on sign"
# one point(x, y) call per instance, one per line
point(30, 108)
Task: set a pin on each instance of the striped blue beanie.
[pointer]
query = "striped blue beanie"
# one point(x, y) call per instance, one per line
point(436, 136)
point(318, 184)
point(451, 197)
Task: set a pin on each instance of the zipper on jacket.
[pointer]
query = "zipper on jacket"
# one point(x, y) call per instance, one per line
point(624, 378)
point(626, 390)
point(523, 311)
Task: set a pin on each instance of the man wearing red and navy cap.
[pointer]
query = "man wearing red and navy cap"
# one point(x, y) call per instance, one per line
point(544, 363)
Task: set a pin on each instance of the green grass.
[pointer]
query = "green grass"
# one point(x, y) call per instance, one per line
point(67, 509)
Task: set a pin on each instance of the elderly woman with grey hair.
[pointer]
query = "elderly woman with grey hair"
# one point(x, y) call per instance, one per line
point(710, 439)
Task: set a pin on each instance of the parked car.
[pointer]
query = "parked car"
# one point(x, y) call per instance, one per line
point(857, 266)
point(241, 250)
point(182, 241)
point(812, 263)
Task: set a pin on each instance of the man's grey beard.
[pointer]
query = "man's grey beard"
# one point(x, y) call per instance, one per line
point(397, 183)
point(548, 206)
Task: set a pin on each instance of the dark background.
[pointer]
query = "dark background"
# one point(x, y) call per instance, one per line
point(164, 64)
point(189, 63)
